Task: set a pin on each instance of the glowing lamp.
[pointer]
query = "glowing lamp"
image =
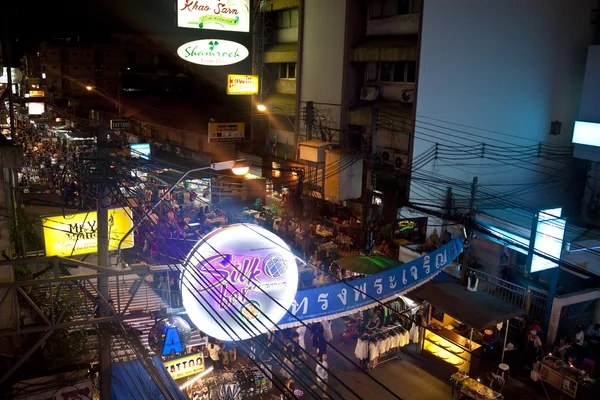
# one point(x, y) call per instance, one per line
point(261, 107)
point(240, 167)
point(238, 282)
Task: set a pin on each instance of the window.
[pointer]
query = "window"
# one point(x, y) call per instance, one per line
point(287, 19)
point(397, 72)
point(389, 8)
point(287, 71)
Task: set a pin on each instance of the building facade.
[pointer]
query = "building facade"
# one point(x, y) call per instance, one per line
point(66, 68)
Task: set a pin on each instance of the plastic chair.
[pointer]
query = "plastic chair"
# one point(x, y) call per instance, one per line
point(589, 366)
point(503, 369)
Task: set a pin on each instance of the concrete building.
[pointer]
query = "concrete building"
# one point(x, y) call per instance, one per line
point(344, 57)
point(67, 67)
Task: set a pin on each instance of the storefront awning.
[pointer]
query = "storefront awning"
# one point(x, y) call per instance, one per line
point(130, 380)
point(281, 53)
point(478, 310)
point(367, 265)
point(387, 48)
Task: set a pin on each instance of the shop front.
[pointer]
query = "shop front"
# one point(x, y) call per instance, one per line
point(465, 329)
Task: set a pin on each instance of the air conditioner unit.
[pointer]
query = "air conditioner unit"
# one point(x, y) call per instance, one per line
point(408, 96)
point(400, 161)
point(386, 155)
point(369, 93)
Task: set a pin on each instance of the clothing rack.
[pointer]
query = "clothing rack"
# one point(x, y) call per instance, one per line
point(378, 348)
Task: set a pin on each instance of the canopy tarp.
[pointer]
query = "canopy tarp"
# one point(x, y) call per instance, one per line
point(130, 380)
point(478, 310)
point(367, 265)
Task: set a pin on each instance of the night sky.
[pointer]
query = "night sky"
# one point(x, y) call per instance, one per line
point(31, 21)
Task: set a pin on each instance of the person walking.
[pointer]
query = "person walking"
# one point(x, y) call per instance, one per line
point(214, 352)
point(322, 373)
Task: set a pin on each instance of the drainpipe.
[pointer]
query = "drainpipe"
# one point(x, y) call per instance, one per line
point(299, 75)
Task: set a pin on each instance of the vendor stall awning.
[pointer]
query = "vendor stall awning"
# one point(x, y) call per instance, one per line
point(388, 48)
point(367, 265)
point(130, 380)
point(479, 310)
point(281, 53)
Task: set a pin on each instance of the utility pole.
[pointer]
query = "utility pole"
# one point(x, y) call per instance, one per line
point(310, 119)
point(308, 200)
point(372, 179)
point(469, 229)
point(447, 209)
point(103, 261)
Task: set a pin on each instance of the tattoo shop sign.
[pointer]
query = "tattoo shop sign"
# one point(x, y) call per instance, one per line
point(340, 298)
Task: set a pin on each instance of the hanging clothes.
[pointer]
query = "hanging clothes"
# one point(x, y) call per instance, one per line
point(413, 334)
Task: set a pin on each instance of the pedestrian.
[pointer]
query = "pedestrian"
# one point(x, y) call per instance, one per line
point(301, 336)
point(322, 373)
point(214, 352)
point(327, 331)
point(318, 338)
point(534, 346)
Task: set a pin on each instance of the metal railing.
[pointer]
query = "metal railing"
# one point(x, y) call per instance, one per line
point(508, 292)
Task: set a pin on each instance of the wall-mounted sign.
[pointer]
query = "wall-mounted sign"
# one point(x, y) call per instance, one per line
point(169, 336)
point(213, 52)
point(119, 124)
point(78, 234)
point(549, 237)
point(37, 93)
point(140, 150)
point(242, 84)
point(36, 108)
point(185, 366)
point(232, 277)
point(226, 131)
point(16, 76)
point(219, 15)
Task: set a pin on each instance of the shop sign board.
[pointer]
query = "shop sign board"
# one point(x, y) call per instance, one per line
point(77, 234)
point(37, 93)
point(242, 84)
point(36, 108)
point(218, 15)
point(242, 277)
point(140, 150)
point(344, 298)
point(16, 76)
point(185, 366)
point(119, 124)
point(226, 132)
point(550, 232)
point(213, 52)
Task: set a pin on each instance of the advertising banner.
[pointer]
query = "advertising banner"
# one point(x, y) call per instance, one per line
point(242, 84)
point(185, 366)
point(226, 132)
point(344, 298)
point(231, 15)
point(213, 52)
point(78, 234)
point(37, 93)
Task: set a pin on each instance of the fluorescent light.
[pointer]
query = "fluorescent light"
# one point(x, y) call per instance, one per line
point(587, 133)
point(196, 378)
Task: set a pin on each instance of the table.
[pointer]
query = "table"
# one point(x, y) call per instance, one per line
point(250, 212)
point(324, 233)
point(565, 379)
point(472, 388)
point(217, 220)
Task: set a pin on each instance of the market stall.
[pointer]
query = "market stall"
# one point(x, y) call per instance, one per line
point(464, 385)
point(566, 378)
point(242, 383)
point(464, 326)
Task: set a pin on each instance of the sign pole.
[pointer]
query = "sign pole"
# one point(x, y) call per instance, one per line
point(103, 261)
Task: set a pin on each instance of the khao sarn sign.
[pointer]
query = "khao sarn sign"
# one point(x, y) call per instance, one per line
point(213, 52)
point(76, 234)
point(219, 15)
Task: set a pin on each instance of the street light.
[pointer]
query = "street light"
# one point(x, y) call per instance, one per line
point(238, 167)
point(105, 93)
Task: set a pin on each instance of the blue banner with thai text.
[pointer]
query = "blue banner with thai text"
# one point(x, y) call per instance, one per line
point(326, 301)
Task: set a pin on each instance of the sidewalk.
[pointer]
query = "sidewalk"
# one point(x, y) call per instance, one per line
point(410, 378)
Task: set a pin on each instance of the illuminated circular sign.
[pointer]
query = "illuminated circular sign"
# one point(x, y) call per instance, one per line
point(238, 282)
point(213, 52)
